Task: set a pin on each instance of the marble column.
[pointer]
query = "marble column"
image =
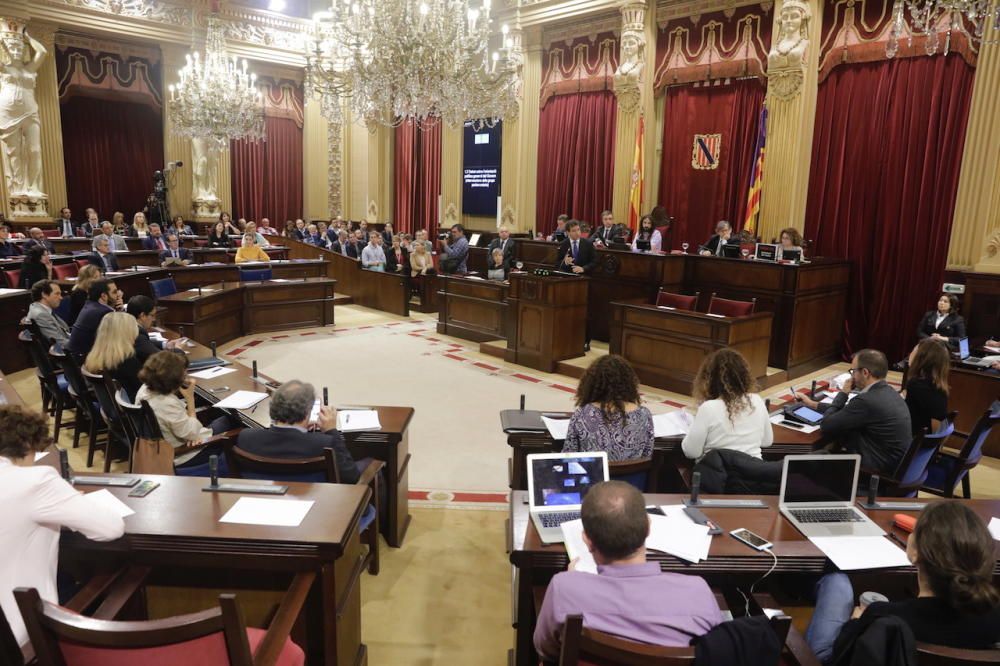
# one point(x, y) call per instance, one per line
point(977, 204)
point(176, 147)
point(355, 176)
point(519, 152)
point(317, 147)
point(451, 174)
point(47, 95)
point(381, 144)
point(790, 123)
point(629, 79)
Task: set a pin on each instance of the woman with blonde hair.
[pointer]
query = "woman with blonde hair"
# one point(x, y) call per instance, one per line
point(927, 384)
point(730, 414)
point(113, 352)
point(140, 228)
point(118, 224)
point(421, 261)
point(87, 276)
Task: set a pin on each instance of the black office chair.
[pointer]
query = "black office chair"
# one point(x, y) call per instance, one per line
point(54, 386)
point(86, 407)
point(104, 392)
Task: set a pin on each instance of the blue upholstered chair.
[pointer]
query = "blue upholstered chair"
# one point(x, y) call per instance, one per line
point(912, 470)
point(946, 469)
point(255, 274)
point(161, 288)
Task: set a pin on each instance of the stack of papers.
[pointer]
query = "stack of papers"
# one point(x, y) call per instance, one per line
point(674, 534)
point(205, 290)
point(358, 419)
point(105, 499)
point(241, 400)
point(212, 373)
point(851, 553)
point(672, 424)
point(558, 428)
point(261, 511)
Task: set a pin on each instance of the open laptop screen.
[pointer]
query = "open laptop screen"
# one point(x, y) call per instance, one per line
point(819, 480)
point(963, 348)
point(565, 481)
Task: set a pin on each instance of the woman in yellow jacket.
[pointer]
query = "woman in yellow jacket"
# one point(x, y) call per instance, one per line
point(250, 251)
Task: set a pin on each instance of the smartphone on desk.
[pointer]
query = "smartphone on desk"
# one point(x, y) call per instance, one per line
point(755, 541)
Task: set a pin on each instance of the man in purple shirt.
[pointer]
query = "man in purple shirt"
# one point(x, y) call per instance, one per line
point(629, 597)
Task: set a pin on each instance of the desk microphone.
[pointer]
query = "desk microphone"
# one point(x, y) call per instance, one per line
point(812, 390)
point(212, 345)
point(64, 469)
point(199, 289)
point(254, 369)
point(522, 402)
point(326, 397)
point(872, 491)
point(695, 488)
point(180, 331)
point(213, 468)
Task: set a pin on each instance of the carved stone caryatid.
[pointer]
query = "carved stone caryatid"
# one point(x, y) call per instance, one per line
point(205, 178)
point(786, 61)
point(990, 261)
point(21, 57)
point(628, 77)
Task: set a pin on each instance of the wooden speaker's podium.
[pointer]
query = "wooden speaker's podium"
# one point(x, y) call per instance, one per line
point(548, 319)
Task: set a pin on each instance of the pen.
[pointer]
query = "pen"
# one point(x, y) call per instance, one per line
point(347, 418)
point(897, 539)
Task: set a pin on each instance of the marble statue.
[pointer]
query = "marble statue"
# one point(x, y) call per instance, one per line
point(21, 57)
point(205, 178)
point(629, 73)
point(786, 61)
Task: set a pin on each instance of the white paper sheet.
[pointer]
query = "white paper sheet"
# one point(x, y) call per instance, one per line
point(104, 498)
point(212, 373)
point(204, 290)
point(153, 335)
point(261, 511)
point(778, 419)
point(995, 528)
point(865, 552)
point(358, 419)
point(674, 534)
point(11, 291)
point(279, 280)
point(41, 454)
point(672, 424)
point(576, 548)
point(557, 427)
point(241, 400)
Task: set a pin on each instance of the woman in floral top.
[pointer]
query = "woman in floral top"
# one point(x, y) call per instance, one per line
point(609, 415)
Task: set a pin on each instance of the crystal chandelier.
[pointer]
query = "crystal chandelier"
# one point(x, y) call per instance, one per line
point(971, 17)
point(216, 98)
point(399, 60)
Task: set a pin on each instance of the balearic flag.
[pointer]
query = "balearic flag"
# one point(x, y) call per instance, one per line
point(756, 173)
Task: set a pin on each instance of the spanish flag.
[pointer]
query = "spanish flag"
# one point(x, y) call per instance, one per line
point(635, 186)
point(756, 173)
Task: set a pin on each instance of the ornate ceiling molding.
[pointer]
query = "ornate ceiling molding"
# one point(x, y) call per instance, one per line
point(672, 9)
point(100, 45)
point(149, 10)
point(590, 29)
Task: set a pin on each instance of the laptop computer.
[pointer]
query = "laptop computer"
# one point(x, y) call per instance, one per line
point(966, 358)
point(766, 252)
point(817, 496)
point(557, 484)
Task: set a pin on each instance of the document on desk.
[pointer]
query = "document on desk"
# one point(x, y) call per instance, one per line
point(350, 420)
point(241, 400)
point(851, 553)
point(41, 454)
point(204, 290)
point(558, 428)
point(261, 511)
point(576, 549)
point(672, 424)
point(212, 373)
point(994, 526)
point(104, 498)
point(677, 535)
point(779, 419)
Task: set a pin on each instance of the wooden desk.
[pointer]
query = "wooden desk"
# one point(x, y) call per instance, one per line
point(808, 300)
point(13, 308)
point(666, 347)
point(971, 393)
point(729, 561)
point(225, 311)
point(8, 396)
point(472, 309)
point(176, 531)
point(548, 319)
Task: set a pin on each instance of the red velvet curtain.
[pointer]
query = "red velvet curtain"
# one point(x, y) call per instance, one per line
point(887, 147)
point(267, 175)
point(111, 150)
point(576, 158)
point(417, 177)
point(699, 198)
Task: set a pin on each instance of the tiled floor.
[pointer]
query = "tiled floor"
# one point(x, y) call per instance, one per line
point(444, 598)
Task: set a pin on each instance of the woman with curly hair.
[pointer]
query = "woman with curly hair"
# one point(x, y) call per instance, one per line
point(40, 503)
point(609, 414)
point(730, 415)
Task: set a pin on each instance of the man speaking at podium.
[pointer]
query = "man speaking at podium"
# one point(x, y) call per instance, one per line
point(576, 254)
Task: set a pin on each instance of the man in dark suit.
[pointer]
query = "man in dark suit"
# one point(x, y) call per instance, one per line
point(505, 244)
point(37, 237)
point(609, 231)
point(91, 226)
point(102, 299)
point(576, 254)
point(723, 232)
point(7, 249)
point(289, 435)
point(876, 422)
point(103, 257)
point(142, 308)
point(175, 255)
point(155, 239)
point(344, 245)
point(387, 234)
point(65, 226)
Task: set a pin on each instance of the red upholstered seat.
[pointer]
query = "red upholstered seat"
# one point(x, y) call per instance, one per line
point(52, 233)
point(679, 301)
point(205, 651)
point(82, 262)
point(13, 278)
point(728, 308)
point(200, 243)
point(238, 242)
point(65, 271)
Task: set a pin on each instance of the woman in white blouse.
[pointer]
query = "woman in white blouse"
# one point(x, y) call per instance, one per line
point(730, 415)
point(40, 503)
point(647, 232)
